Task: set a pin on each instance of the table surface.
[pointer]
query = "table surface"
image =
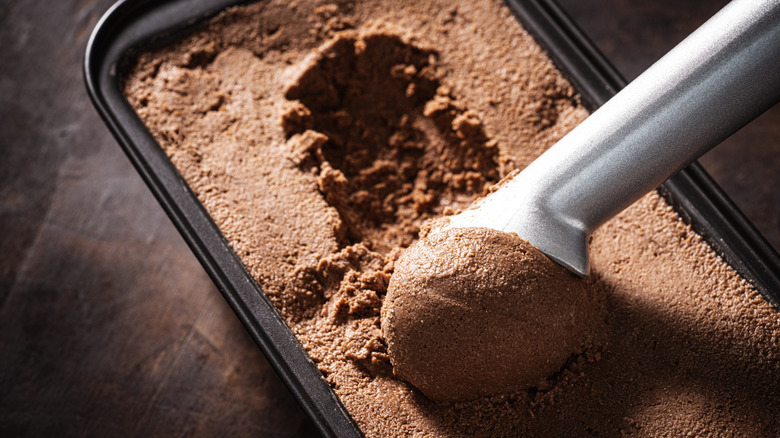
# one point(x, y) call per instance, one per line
point(108, 324)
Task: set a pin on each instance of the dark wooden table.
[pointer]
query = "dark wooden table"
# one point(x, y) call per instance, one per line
point(108, 324)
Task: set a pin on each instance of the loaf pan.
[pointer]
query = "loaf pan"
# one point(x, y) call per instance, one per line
point(135, 25)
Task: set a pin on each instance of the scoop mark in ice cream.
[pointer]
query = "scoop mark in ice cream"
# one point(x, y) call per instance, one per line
point(471, 312)
point(390, 143)
point(391, 146)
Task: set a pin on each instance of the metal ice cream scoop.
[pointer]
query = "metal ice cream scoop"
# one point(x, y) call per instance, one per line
point(714, 82)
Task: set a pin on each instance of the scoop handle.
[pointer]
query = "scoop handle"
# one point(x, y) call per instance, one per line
point(714, 82)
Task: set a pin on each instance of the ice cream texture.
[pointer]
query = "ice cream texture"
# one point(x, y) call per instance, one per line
point(471, 312)
point(321, 136)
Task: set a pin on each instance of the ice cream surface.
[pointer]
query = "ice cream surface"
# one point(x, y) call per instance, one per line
point(321, 136)
point(471, 312)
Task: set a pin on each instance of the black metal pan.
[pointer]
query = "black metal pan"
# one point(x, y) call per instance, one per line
point(137, 24)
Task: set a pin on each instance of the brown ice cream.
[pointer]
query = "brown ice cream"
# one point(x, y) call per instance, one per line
point(471, 312)
point(320, 136)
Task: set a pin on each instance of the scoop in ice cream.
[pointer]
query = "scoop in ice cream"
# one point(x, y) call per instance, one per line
point(471, 312)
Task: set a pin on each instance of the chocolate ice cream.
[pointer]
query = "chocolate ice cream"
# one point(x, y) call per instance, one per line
point(471, 312)
point(320, 136)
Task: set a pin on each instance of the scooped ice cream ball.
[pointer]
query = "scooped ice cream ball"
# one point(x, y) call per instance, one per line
point(471, 312)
